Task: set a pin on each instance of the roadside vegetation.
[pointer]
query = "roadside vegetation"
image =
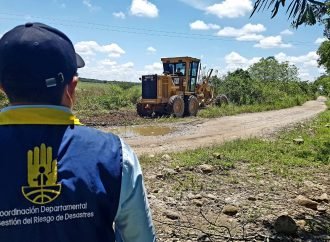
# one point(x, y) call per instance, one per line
point(96, 98)
point(265, 85)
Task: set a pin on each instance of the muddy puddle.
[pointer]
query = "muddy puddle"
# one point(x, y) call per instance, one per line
point(131, 131)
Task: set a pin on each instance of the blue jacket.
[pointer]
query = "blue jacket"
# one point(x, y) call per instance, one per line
point(62, 182)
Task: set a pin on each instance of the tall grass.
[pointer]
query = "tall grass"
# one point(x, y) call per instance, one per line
point(98, 98)
point(231, 109)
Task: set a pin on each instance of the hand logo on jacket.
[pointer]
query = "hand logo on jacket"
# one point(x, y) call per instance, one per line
point(42, 176)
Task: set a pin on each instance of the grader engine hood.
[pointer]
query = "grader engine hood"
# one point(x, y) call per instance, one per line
point(149, 86)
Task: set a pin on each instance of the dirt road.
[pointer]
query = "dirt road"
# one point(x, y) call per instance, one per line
point(195, 133)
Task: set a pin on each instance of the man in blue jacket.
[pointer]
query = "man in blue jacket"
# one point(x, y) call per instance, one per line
point(61, 181)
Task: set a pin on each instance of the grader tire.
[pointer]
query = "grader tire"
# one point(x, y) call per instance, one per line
point(142, 112)
point(176, 106)
point(191, 106)
point(221, 100)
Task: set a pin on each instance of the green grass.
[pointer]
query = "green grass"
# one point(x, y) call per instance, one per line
point(98, 98)
point(231, 109)
point(281, 154)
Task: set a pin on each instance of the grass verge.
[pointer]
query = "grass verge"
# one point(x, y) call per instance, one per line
point(231, 109)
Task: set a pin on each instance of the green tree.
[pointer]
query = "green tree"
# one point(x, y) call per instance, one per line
point(269, 69)
point(217, 83)
point(308, 12)
point(240, 88)
point(323, 85)
point(324, 55)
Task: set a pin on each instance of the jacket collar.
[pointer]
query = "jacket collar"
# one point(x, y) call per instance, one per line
point(37, 114)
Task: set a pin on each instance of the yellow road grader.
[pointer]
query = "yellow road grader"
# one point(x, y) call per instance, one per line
point(181, 90)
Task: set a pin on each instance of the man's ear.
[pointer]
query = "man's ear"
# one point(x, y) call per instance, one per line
point(69, 93)
point(72, 86)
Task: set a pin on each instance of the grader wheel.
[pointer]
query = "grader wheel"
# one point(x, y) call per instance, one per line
point(191, 106)
point(176, 106)
point(221, 100)
point(141, 111)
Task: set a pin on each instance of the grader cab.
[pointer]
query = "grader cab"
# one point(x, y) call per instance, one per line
point(177, 92)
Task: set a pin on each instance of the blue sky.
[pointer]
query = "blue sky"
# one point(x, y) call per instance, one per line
point(123, 39)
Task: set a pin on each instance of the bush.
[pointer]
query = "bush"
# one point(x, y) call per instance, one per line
point(268, 83)
point(103, 97)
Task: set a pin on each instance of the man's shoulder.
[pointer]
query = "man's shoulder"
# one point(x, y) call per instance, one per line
point(90, 143)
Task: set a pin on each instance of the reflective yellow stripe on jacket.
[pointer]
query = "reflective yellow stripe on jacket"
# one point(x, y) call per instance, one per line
point(37, 116)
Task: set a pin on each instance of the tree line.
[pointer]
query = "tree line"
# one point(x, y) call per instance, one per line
point(266, 82)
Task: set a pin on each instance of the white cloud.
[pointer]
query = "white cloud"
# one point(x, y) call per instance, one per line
point(144, 8)
point(250, 37)
point(59, 3)
point(251, 32)
point(245, 30)
point(90, 6)
point(28, 18)
point(272, 42)
point(198, 4)
point(230, 8)
point(307, 64)
point(200, 25)
point(253, 28)
point(248, 32)
point(87, 3)
point(119, 15)
point(90, 48)
point(113, 50)
point(107, 68)
point(151, 50)
point(308, 60)
point(305, 75)
point(108, 62)
point(286, 32)
point(102, 65)
point(229, 32)
point(155, 68)
point(128, 65)
point(86, 48)
point(110, 70)
point(234, 61)
point(319, 41)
